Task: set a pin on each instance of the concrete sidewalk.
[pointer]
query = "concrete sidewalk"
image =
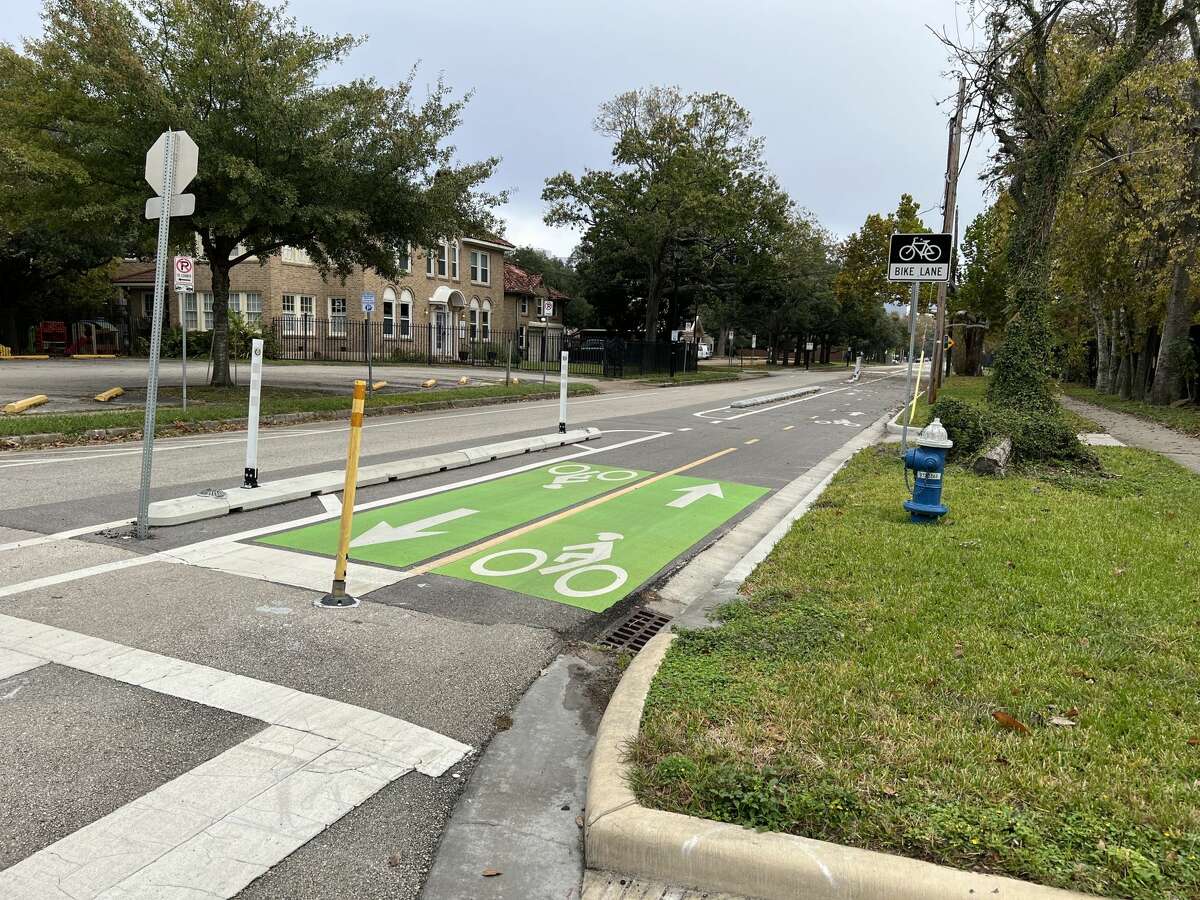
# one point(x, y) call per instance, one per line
point(1137, 432)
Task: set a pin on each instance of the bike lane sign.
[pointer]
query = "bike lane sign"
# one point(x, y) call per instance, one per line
point(598, 556)
point(920, 257)
point(409, 531)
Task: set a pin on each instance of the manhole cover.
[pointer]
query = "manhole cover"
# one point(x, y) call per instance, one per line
point(635, 632)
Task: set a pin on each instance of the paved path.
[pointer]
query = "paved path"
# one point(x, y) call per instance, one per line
point(175, 715)
point(1140, 433)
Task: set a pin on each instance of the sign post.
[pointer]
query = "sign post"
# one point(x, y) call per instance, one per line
point(918, 258)
point(256, 361)
point(808, 349)
point(368, 307)
point(564, 365)
point(185, 283)
point(170, 165)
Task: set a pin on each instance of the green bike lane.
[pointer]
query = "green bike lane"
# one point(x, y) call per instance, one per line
point(583, 535)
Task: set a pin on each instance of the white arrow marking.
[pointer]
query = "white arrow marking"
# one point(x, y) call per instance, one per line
point(692, 494)
point(383, 533)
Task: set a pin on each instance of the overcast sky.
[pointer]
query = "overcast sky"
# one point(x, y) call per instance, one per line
point(845, 92)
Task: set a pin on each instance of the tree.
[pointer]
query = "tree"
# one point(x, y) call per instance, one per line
point(688, 186)
point(980, 300)
point(1041, 117)
point(351, 173)
point(559, 274)
point(862, 287)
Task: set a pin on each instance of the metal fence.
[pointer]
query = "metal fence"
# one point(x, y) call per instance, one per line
point(303, 337)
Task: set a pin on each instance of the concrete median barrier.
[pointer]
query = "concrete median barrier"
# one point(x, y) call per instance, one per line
point(182, 510)
point(773, 398)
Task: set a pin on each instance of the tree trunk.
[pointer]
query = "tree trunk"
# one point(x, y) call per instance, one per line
point(1175, 342)
point(220, 336)
point(995, 461)
point(1141, 383)
point(1104, 373)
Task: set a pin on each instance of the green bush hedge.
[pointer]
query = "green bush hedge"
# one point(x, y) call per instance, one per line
point(1037, 436)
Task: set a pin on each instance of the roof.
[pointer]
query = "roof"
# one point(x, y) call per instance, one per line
point(522, 281)
point(491, 240)
point(133, 272)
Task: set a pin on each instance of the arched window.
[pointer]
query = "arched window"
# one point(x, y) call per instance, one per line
point(473, 319)
point(485, 320)
point(404, 313)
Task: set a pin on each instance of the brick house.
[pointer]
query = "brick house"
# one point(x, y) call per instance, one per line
point(445, 296)
point(533, 310)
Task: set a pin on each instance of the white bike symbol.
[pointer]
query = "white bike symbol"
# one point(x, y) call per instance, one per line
point(923, 248)
point(574, 560)
point(581, 473)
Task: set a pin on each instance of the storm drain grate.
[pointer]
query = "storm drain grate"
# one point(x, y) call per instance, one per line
point(635, 632)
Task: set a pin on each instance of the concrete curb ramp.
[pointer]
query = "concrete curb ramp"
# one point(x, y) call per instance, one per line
point(622, 836)
point(192, 509)
point(772, 398)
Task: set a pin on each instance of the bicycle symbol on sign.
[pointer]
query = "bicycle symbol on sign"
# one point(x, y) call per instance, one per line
point(574, 560)
point(921, 248)
point(582, 473)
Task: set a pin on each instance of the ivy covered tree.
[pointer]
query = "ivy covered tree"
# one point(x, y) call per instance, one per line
point(350, 172)
point(1041, 112)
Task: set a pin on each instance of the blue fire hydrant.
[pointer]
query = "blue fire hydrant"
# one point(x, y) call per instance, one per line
point(928, 461)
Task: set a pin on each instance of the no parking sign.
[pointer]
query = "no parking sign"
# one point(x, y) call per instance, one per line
point(185, 274)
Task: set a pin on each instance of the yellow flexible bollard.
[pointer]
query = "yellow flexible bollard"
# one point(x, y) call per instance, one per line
point(337, 598)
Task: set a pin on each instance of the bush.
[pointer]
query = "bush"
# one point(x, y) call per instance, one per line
point(1037, 436)
point(966, 423)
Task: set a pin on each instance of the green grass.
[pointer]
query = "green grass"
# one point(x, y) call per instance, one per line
point(849, 696)
point(217, 404)
point(697, 377)
point(974, 390)
point(1185, 419)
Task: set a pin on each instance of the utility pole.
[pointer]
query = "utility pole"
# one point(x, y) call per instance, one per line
point(948, 220)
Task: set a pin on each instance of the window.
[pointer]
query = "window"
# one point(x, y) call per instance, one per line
point(389, 313)
point(147, 305)
point(524, 307)
point(480, 262)
point(297, 313)
point(406, 305)
point(296, 256)
point(404, 260)
point(521, 336)
point(235, 303)
point(485, 320)
point(473, 319)
point(253, 308)
point(206, 317)
point(337, 316)
point(189, 312)
point(442, 259)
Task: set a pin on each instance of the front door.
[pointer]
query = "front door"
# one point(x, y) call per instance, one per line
point(440, 321)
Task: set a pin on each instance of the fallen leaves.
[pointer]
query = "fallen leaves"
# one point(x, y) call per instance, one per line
point(1062, 722)
point(1007, 721)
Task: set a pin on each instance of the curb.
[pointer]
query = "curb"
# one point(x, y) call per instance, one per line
point(622, 836)
point(181, 510)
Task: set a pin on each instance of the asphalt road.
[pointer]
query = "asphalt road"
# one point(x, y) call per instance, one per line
point(442, 648)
